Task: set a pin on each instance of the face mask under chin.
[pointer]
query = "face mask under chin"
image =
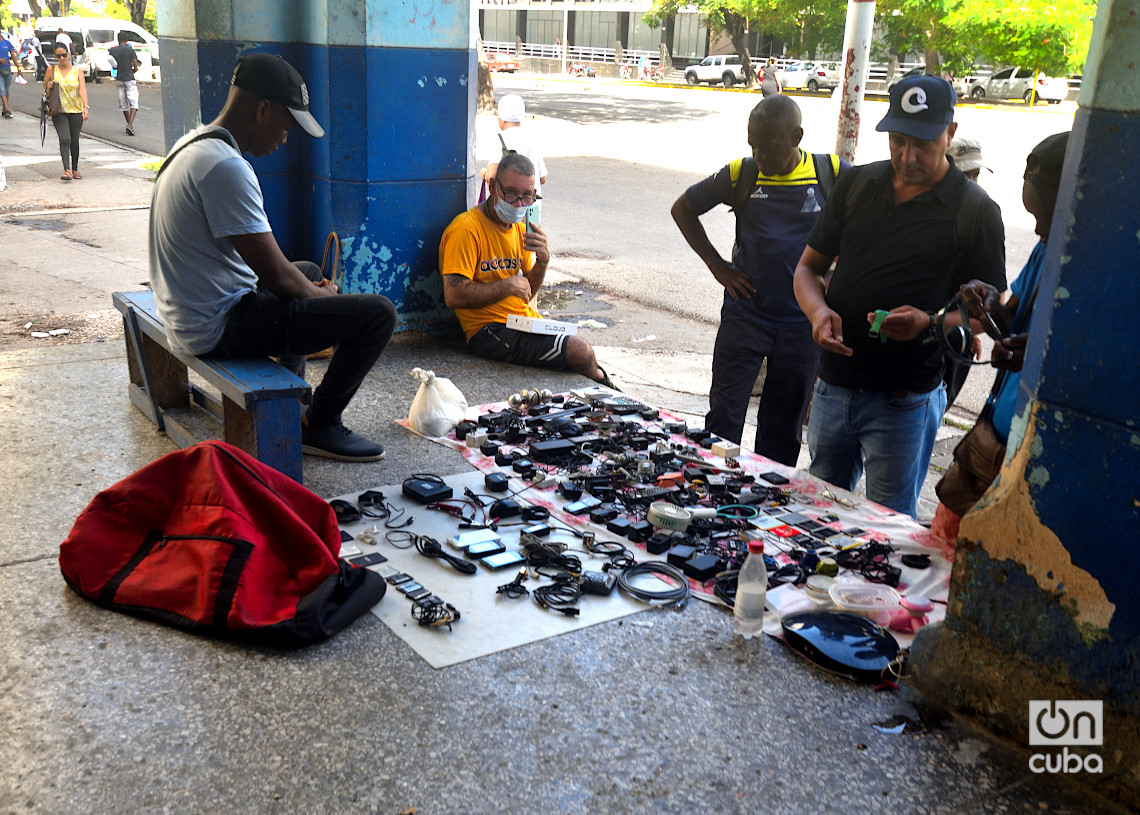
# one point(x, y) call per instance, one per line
point(509, 214)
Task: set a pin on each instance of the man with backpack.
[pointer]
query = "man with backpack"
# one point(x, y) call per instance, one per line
point(776, 194)
point(907, 233)
point(221, 282)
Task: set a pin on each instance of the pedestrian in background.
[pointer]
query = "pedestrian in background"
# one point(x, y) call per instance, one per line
point(38, 56)
point(9, 58)
point(126, 62)
point(68, 120)
point(769, 81)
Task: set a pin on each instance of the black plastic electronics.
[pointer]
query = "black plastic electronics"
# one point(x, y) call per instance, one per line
point(597, 582)
point(504, 458)
point(604, 513)
point(707, 444)
point(426, 491)
point(639, 443)
point(622, 405)
point(649, 414)
point(398, 578)
point(916, 561)
point(658, 543)
point(551, 449)
point(569, 491)
point(500, 418)
point(824, 533)
point(640, 532)
point(773, 478)
point(619, 526)
point(419, 594)
point(840, 642)
point(702, 567)
point(368, 560)
point(503, 559)
point(538, 530)
point(497, 482)
point(489, 448)
point(679, 554)
point(463, 428)
point(522, 466)
point(504, 508)
point(582, 505)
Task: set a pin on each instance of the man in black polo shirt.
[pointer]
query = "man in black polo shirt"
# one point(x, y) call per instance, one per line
point(893, 227)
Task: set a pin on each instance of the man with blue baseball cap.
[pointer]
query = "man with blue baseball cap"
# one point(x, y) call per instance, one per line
point(905, 233)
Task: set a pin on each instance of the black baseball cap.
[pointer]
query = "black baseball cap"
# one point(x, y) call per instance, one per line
point(921, 106)
point(271, 77)
point(1048, 158)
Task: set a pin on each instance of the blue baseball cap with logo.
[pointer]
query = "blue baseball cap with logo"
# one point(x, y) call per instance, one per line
point(921, 106)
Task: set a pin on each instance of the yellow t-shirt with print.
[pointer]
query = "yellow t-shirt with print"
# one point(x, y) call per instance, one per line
point(479, 249)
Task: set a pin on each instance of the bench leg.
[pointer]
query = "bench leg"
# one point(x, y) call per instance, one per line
point(158, 379)
point(270, 431)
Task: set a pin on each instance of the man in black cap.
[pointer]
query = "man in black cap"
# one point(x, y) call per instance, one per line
point(895, 228)
point(221, 283)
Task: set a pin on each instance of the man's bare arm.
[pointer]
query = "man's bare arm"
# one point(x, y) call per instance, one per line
point(462, 292)
point(826, 325)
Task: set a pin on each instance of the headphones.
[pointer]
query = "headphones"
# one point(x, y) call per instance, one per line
point(958, 339)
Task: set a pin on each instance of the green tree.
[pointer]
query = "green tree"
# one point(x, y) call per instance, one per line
point(1049, 37)
point(728, 16)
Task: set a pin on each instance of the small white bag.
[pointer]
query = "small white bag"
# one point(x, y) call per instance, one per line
point(438, 407)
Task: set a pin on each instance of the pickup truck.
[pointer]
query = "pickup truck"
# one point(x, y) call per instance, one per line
point(717, 69)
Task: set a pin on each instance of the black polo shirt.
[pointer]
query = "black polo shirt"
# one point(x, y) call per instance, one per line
point(892, 256)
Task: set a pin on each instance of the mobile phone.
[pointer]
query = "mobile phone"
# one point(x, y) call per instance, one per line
point(468, 539)
point(773, 478)
point(367, 560)
point(584, 505)
point(503, 559)
point(532, 216)
point(481, 550)
point(408, 587)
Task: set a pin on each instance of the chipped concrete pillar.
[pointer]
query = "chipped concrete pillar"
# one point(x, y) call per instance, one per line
point(1043, 599)
point(389, 82)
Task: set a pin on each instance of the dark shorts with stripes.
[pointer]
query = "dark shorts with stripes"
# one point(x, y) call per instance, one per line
point(496, 341)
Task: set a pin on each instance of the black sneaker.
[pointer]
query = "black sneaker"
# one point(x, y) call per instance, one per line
point(337, 441)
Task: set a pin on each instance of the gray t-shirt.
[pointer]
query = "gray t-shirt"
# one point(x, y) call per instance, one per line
point(207, 194)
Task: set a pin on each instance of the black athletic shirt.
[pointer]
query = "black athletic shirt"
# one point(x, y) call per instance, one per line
point(894, 256)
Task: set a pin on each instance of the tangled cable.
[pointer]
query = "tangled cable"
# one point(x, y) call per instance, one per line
point(562, 595)
point(675, 596)
point(515, 588)
point(429, 547)
point(433, 612)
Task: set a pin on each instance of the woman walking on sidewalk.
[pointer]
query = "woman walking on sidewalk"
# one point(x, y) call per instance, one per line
point(72, 109)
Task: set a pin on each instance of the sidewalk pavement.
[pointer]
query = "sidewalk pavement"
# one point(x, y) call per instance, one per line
point(661, 712)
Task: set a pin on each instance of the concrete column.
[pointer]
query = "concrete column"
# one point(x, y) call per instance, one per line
point(1043, 599)
point(393, 85)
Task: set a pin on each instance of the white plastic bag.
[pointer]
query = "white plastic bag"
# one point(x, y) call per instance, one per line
point(438, 407)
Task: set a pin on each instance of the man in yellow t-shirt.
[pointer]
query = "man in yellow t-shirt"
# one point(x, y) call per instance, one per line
point(488, 275)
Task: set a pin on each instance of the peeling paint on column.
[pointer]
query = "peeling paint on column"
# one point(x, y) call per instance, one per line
point(1006, 525)
point(1062, 293)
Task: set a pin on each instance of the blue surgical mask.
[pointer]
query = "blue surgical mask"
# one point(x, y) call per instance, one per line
point(509, 214)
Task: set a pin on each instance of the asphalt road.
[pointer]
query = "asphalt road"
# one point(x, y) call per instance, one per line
point(105, 119)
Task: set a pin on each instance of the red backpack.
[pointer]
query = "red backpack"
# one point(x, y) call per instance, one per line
point(211, 540)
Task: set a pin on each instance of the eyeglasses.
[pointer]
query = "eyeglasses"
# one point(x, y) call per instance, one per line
point(514, 198)
point(61, 54)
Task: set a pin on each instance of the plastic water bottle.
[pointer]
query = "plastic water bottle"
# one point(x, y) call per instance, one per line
point(751, 588)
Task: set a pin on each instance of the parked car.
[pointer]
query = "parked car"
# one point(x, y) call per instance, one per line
point(897, 78)
point(717, 69)
point(1017, 83)
point(961, 86)
point(810, 75)
point(499, 61)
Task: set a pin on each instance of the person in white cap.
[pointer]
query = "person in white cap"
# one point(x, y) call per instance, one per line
point(967, 157)
point(221, 283)
point(516, 139)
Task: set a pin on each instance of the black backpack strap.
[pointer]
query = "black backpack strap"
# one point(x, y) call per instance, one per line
point(209, 134)
point(745, 183)
point(825, 173)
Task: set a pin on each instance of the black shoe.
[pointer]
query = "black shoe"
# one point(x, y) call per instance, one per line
point(337, 441)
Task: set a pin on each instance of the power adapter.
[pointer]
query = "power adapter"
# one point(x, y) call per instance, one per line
point(426, 491)
point(597, 582)
point(497, 482)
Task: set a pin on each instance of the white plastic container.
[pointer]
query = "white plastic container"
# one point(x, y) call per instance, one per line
point(872, 600)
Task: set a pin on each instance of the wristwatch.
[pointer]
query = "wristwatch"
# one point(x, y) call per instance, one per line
point(931, 333)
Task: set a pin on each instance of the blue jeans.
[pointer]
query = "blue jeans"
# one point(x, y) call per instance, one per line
point(742, 343)
point(889, 435)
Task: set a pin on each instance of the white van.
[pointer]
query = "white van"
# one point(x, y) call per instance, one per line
point(93, 37)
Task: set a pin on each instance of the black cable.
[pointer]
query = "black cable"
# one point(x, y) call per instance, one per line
point(515, 588)
point(429, 547)
point(407, 539)
point(724, 586)
point(562, 596)
point(675, 596)
point(432, 612)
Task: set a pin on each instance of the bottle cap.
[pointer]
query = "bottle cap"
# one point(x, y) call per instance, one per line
point(755, 547)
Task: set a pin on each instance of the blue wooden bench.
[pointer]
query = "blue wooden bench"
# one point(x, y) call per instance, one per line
point(258, 402)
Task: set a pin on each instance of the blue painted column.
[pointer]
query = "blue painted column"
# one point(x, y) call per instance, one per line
point(389, 83)
point(1044, 602)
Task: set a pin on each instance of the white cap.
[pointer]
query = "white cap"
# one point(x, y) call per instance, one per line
point(511, 108)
